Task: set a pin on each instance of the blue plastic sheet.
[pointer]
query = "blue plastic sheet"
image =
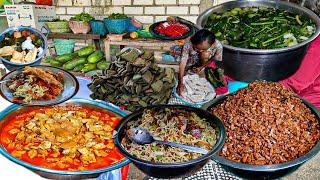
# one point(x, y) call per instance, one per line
point(236, 85)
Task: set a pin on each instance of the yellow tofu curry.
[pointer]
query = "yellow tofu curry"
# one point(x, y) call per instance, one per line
point(71, 137)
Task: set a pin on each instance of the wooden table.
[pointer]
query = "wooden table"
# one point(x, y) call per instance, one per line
point(160, 45)
point(94, 37)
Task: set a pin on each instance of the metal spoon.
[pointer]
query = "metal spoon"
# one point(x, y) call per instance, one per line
point(142, 136)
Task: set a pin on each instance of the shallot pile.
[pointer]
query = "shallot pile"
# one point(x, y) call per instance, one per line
point(266, 124)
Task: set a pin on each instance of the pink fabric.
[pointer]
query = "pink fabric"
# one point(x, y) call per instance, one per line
point(306, 81)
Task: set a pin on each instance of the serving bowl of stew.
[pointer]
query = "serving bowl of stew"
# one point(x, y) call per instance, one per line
point(72, 140)
point(175, 123)
point(269, 129)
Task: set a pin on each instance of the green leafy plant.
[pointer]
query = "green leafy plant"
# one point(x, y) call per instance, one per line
point(84, 17)
point(260, 27)
point(58, 20)
point(117, 16)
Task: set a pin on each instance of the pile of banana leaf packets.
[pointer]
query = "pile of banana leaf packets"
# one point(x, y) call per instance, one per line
point(134, 80)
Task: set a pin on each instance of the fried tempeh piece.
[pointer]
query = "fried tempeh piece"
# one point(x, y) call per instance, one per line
point(44, 75)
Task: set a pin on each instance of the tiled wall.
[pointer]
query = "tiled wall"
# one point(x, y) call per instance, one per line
point(147, 11)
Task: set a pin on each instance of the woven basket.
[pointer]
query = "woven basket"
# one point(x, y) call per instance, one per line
point(58, 27)
point(79, 27)
point(182, 101)
point(98, 27)
point(63, 46)
point(117, 26)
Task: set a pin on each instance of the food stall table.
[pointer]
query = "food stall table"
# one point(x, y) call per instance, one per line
point(212, 170)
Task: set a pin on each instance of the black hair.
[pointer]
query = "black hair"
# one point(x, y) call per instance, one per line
point(203, 35)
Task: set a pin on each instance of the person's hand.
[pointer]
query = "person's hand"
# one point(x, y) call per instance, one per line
point(180, 88)
point(196, 70)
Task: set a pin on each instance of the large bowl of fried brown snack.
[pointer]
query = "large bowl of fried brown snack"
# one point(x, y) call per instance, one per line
point(269, 128)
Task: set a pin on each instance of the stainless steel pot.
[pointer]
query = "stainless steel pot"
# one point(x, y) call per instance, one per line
point(262, 64)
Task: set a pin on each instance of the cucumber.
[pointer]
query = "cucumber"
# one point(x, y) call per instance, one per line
point(48, 59)
point(102, 65)
point(65, 57)
point(89, 67)
point(86, 51)
point(78, 68)
point(95, 57)
point(55, 63)
point(72, 64)
point(64, 66)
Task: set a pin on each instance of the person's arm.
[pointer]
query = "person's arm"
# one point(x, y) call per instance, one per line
point(182, 67)
point(218, 55)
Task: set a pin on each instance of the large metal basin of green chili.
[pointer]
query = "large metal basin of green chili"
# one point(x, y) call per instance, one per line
point(278, 62)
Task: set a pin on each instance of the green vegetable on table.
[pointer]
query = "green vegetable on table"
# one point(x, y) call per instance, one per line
point(102, 65)
point(55, 63)
point(117, 16)
point(260, 27)
point(83, 60)
point(89, 67)
point(84, 17)
point(73, 63)
point(65, 57)
point(86, 51)
point(95, 57)
point(48, 59)
point(78, 68)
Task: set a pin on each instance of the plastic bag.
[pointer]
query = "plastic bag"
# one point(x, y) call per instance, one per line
point(112, 175)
